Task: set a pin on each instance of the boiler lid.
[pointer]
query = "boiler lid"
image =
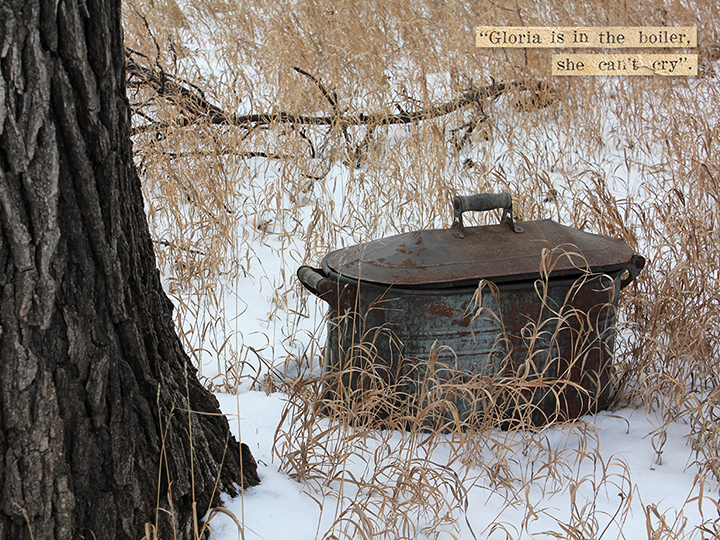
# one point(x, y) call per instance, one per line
point(437, 258)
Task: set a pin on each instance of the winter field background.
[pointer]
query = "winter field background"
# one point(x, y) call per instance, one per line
point(238, 202)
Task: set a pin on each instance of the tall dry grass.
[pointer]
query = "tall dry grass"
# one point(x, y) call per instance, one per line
point(632, 158)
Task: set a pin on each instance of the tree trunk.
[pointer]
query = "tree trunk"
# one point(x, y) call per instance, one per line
point(103, 424)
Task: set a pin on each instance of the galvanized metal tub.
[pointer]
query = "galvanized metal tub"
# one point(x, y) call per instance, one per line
point(405, 311)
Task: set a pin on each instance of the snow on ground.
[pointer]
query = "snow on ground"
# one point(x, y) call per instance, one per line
point(281, 509)
point(624, 483)
point(621, 482)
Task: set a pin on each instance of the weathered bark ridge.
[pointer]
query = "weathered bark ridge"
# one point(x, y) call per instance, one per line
point(97, 399)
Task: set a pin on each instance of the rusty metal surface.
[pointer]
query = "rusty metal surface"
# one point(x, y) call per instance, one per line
point(394, 300)
point(575, 340)
point(437, 258)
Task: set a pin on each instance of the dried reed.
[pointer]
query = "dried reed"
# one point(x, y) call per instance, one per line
point(633, 159)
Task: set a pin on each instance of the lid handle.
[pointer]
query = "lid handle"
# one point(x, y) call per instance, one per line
point(483, 202)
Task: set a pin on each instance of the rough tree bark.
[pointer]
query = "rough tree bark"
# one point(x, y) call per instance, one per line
point(102, 419)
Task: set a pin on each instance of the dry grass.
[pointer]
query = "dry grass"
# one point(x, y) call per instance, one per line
point(632, 158)
point(429, 434)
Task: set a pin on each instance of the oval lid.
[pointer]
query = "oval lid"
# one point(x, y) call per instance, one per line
point(493, 252)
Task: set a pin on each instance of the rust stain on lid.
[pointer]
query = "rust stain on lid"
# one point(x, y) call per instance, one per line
point(490, 252)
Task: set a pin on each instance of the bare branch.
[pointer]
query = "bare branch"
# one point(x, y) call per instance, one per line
point(194, 105)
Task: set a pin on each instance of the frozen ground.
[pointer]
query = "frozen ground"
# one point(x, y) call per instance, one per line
point(625, 480)
point(281, 509)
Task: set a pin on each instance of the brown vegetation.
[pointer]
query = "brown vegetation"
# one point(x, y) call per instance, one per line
point(235, 159)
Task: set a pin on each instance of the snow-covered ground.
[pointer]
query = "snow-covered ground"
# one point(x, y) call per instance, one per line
point(617, 476)
point(621, 478)
point(636, 477)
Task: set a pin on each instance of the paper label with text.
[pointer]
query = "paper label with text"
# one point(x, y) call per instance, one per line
point(585, 36)
point(625, 64)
